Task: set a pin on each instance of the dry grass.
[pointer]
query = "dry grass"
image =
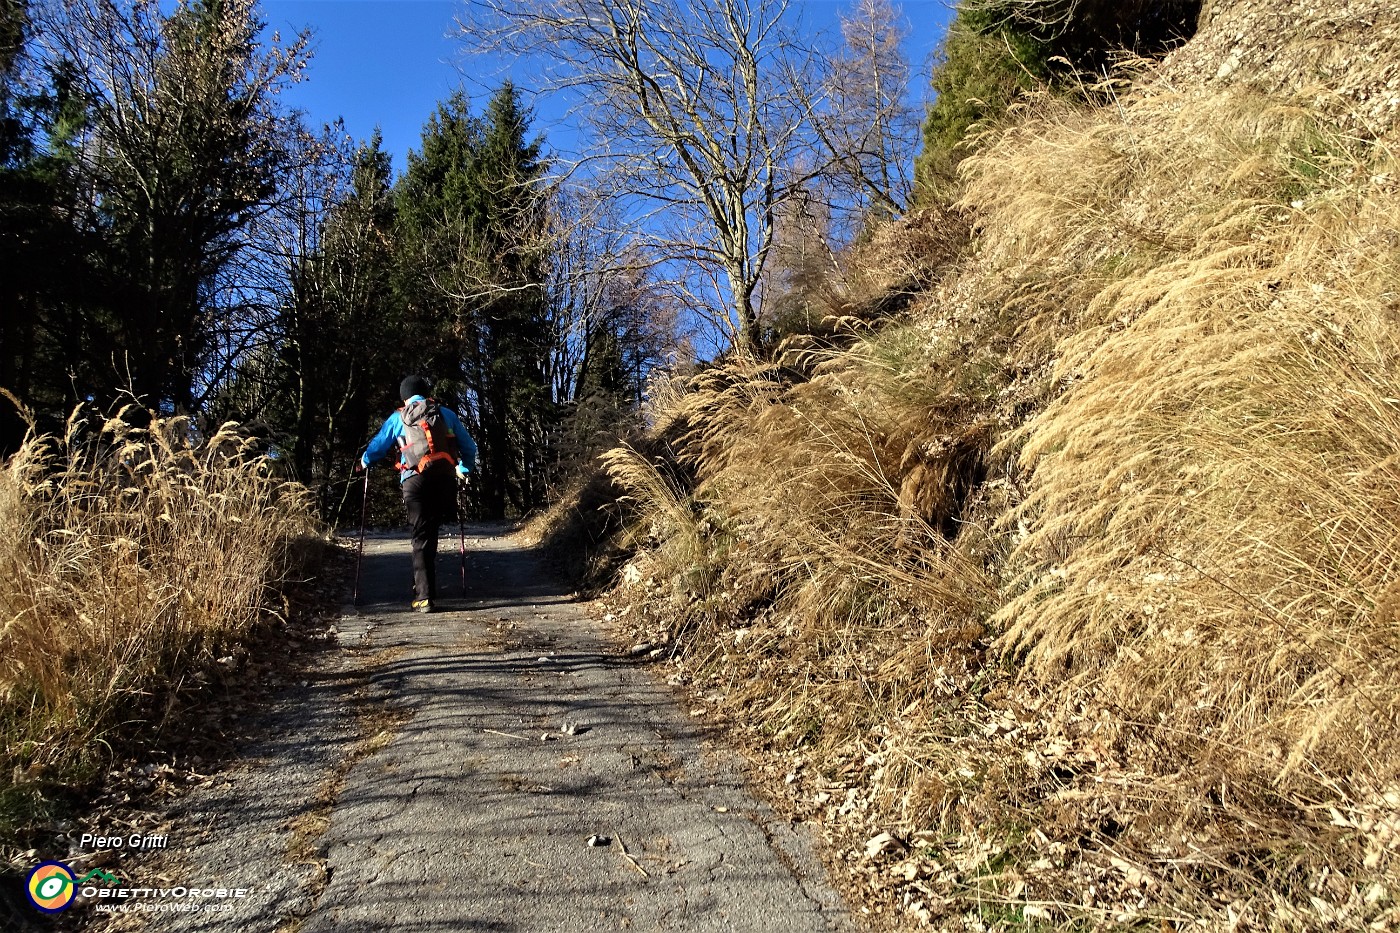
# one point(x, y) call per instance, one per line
point(810, 569)
point(1206, 552)
point(1213, 489)
point(1080, 579)
point(133, 562)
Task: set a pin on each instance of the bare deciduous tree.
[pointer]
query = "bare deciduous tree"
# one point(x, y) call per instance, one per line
point(698, 121)
point(867, 129)
point(602, 283)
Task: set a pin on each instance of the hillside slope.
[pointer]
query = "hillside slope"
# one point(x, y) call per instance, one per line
point(1067, 597)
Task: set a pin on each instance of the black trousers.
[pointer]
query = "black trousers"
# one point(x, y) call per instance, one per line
point(431, 499)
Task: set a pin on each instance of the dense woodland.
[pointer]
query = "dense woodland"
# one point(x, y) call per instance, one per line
point(177, 238)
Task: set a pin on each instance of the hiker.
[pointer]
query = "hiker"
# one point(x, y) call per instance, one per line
point(435, 451)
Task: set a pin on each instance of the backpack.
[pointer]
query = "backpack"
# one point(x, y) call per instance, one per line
point(426, 437)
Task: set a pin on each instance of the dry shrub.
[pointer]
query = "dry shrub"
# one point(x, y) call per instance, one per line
point(818, 568)
point(131, 559)
point(909, 255)
point(1215, 484)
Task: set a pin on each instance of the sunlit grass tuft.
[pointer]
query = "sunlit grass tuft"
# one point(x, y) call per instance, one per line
point(131, 560)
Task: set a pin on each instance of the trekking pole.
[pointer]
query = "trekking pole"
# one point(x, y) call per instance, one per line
point(360, 551)
point(462, 529)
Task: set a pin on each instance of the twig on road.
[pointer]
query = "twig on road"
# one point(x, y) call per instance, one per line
point(622, 847)
point(509, 735)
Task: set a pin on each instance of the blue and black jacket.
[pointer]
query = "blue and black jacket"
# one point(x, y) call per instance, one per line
point(391, 434)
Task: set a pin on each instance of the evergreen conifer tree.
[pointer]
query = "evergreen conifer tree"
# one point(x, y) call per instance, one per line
point(184, 150)
point(473, 261)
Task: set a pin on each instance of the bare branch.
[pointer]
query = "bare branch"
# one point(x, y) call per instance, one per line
point(692, 105)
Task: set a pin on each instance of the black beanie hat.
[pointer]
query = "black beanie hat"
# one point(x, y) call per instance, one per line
point(413, 385)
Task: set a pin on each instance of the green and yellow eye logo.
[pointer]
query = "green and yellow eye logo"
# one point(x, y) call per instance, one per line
point(51, 887)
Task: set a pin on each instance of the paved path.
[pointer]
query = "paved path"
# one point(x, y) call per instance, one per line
point(410, 786)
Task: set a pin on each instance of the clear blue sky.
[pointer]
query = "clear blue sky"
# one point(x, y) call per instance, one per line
point(387, 63)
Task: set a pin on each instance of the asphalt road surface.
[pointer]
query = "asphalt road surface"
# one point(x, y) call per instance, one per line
point(447, 772)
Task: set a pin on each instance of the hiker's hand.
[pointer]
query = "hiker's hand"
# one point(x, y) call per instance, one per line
point(359, 466)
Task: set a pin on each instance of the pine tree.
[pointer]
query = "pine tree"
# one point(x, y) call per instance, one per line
point(473, 261)
point(184, 151)
point(342, 347)
point(435, 267)
point(368, 348)
point(514, 396)
point(50, 288)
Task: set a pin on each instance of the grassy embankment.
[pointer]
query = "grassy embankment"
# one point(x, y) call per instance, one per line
point(134, 564)
point(1078, 578)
